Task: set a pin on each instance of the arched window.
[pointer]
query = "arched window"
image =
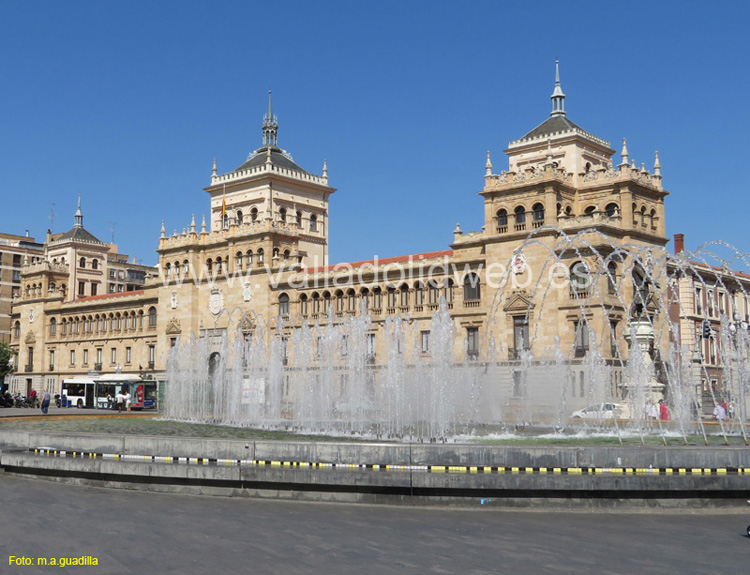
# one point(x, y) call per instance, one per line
point(249, 258)
point(52, 287)
point(303, 305)
point(612, 278)
point(612, 210)
point(326, 302)
point(254, 215)
point(185, 267)
point(433, 292)
point(418, 294)
point(391, 303)
point(377, 298)
point(238, 260)
point(315, 303)
point(209, 266)
point(168, 270)
point(299, 219)
point(313, 223)
point(95, 264)
point(282, 215)
point(404, 296)
point(152, 316)
point(653, 218)
point(589, 211)
point(261, 253)
point(239, 218)
point(17, 330)
point(284, 305)
point(538, 210)
point(520, 212)
point(219, 265)
point(52, 326)
point(580, 278)
point(339, 301)
point(286, 255)
point(82, 263)
point(502, 220)
point(471, 287)
point(177, 269)
point(568, 211)
point(275, 253)
point(351, 298)
point(643, 215)
point(449, 290)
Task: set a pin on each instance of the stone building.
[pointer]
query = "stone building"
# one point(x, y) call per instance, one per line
point(517, 290)
point(13, 251)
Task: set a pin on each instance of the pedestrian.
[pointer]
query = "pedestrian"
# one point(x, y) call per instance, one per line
point(663, 410)
point(652, 412)
point(719, 413)
point(120, 400)
point(109, 401)
point(32, 397)
point(730, 410)
point(45, 401)
point(127, 400)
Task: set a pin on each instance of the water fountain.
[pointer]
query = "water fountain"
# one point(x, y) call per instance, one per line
point(321, 378)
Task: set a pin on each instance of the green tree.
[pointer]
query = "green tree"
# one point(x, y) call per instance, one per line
point(6, 353)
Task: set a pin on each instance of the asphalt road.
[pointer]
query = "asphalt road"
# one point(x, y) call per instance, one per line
point(145, 533)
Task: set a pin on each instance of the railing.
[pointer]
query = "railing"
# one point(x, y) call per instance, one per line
point(51, 367)
point(151, 365)
point(472, 303)
point(502, 229)
point(97, 367)
point(520, 227)
point(28, 368)
point(579, 294)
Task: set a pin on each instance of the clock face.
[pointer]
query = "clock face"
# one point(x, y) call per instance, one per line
point(216, 301)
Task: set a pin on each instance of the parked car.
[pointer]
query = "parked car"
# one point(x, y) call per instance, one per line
point(601, 411)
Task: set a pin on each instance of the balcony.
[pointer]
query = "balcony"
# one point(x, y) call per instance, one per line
point(151, 365)
point(28, 368)
point(97, 367)
point(51, 367)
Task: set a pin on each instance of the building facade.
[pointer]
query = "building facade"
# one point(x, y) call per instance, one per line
point(571, 250)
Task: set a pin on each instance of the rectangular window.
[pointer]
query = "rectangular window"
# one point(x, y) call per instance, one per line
point(472, 342)
point(127, 355)
point(114, 355)
point(72, 357)
point(94, 288)
point(81, 288)
point(51, 359)
point(30, 365)
point(582, 338)
point(151, 354)
point(520, 333)
point(425, 341)
point(518, 387)
point(99, 353)
point(345, 345)
point(172, 342)
point(85, 357)
point(370, 347)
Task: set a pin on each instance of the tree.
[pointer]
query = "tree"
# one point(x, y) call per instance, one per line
point(6, 354)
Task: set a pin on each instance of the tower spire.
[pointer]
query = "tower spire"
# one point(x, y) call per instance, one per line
point(558, 98)
point(79, 214)
point(270, 126)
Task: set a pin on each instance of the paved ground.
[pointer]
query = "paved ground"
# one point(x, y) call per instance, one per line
point(144, 533)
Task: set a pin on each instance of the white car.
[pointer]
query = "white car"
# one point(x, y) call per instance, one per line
point(600, 411)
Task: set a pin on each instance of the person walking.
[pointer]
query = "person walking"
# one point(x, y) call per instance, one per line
point(719, 413)
point(127, 400)
point(45, 402)
point(663, 410)
point(120, 400)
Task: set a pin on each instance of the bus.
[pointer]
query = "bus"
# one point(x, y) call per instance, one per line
point(99, 391)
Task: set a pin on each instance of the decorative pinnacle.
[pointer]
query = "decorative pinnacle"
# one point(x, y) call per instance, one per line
point(488, 165)
point(192, 224)
point(558, 97)
point(270, 126)
point(549, 152)
point(657, 165)
point(163, 231)
point(203, 225)
point(79, 214)
point(624, 152)
point(213, 172)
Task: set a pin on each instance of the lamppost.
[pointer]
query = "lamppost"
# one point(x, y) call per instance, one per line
point(739, 331)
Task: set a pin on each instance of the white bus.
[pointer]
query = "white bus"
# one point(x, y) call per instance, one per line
point(99, 391)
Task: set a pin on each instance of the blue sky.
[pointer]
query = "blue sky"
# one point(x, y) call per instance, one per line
point(128, 103)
